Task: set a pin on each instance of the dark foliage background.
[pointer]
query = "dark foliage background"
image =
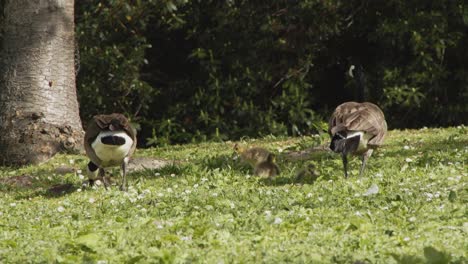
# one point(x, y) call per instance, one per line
point(195, 70)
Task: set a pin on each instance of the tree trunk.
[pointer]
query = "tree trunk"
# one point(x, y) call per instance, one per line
point(38, 103)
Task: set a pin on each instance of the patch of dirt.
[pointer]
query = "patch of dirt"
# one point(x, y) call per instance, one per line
point(306, 153)
point(60, 189)
point(146, 163)
point(63, 169)
point(18, 181)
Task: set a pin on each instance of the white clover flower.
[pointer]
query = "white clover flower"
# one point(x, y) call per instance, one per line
point(71, 161)
point(232, 205)
point(429, 195)
point(79, 190)
point(91, 200)
point(320, 199)
point(186, 238)
point(408, 160)
point(358, 213)
point(195, 185)
point(160, 194)
point(406, 239)
point(13, 204)
point(278, 221)
point(214, 194)
point(81, 176)
point(79, 171)
point(268, 213)
point(406, 147)
point(157, 174)
point(98, 182)
point(169, 190)
point(373, 189)
point(412, 219)
point(309, 195)
point(60, 209)
point(172, 175)
point(204, 179)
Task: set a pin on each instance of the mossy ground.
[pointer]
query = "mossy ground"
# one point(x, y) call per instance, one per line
point(410, 207)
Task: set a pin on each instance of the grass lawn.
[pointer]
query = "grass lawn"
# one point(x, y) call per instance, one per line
point(410, 207)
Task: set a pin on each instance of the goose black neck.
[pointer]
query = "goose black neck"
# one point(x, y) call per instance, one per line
point(361, 83)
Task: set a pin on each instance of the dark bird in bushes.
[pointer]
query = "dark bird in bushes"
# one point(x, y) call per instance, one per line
point(109, 141)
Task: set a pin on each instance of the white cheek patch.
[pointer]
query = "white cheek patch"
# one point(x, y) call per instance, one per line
point(363, 139)
point(112, 153)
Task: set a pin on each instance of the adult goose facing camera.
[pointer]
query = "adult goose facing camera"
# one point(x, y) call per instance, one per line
point(109, 141)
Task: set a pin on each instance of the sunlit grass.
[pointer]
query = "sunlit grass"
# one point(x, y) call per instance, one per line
point(410, 207)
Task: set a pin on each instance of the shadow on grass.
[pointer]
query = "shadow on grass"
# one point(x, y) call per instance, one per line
point(27, 186)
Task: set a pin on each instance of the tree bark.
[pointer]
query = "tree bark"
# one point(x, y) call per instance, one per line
point(38, 104)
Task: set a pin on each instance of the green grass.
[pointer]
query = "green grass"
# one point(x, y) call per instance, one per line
point(210, 209)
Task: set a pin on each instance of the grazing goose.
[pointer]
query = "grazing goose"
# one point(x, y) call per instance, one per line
point(252, 156)
point(308, 173)
point(109, 141)
point(267, 168)
point(356, 128)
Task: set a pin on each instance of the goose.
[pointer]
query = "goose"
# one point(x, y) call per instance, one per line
point(357, 128)
point(267, 168)
point(308, 173)
point(109, 141)
point(252, 156)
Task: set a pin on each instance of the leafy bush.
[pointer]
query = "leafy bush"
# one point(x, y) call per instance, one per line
point(195, 70)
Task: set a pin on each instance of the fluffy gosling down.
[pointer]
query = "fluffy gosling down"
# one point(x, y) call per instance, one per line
point(356, 129)
point(109, 142)
point(267, 168)
point(252, 156)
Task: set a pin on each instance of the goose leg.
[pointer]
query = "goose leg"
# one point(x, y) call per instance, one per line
point(345, 164)
point(102, 174)
point(123, 186)
point(364, 158)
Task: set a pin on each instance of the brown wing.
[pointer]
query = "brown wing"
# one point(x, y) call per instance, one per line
point(90, 135)
point(352, 116)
